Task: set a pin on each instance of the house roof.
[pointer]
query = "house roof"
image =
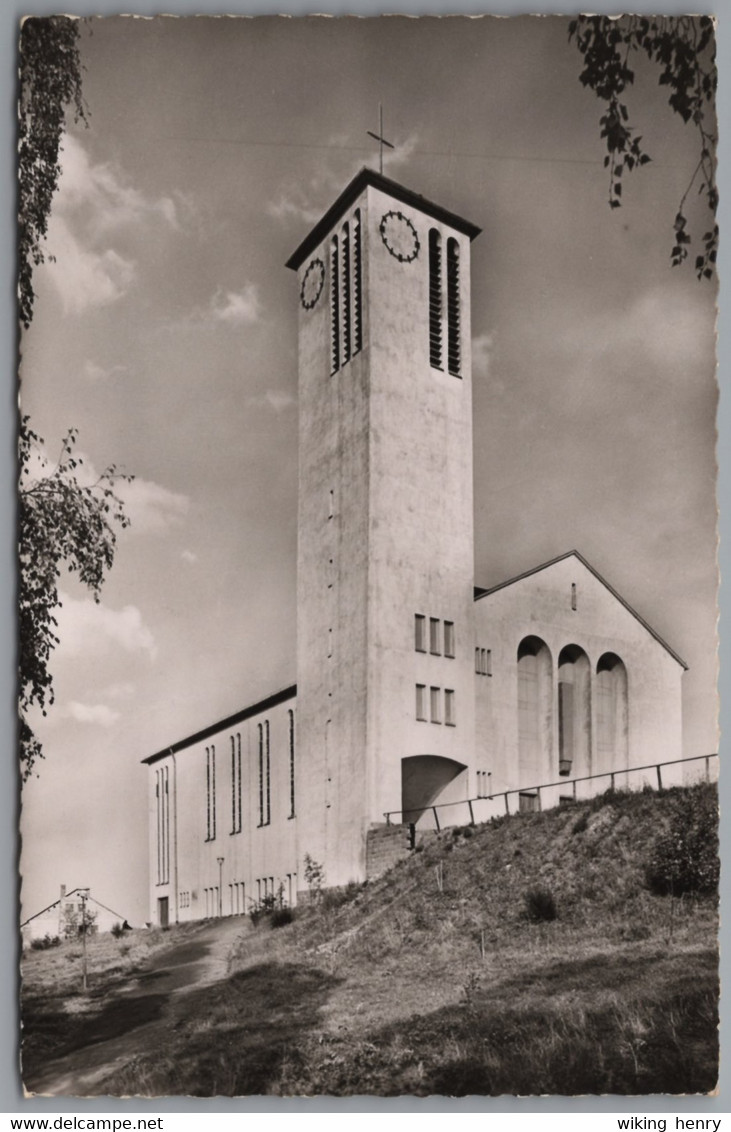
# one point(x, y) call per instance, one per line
point(378, 181)
point(230, 721)
point(480, 593)
point(66, 895)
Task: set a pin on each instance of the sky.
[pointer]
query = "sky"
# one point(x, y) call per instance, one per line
point(165, 332)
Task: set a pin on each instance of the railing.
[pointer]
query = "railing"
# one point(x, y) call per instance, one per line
point(535, 791)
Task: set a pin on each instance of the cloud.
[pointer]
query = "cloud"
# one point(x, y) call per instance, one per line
point(481, 354)
point(94, 206)
point(86, 628)
point(276, 399)
point(305, 202)
point(119, 691)
point(237, 308)
point(91, 713)
point(152, 507)
point(189, 556)
point(87, 278)
point(96, 373)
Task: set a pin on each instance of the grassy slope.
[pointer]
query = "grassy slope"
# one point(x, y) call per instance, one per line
point(432, 979)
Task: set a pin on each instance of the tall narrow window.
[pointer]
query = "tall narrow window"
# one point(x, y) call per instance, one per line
point(573, 596)
point(357, 285)
point(210, 793)
point(346, 293)
point(265, 802)
point(453, 331)
point(236, 783)
point(434, 636)
point(291, 763)
point(449, 638)
point(166, 826)
point(434, 705)
point(158, 803)
point(421, 701)
point(334, 307)
point(435, 298)
point(420, 632)
point(449, 715)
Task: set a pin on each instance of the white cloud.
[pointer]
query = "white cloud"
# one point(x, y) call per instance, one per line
point(120, 691)
point(150, 506)
point(91, 713)
point(237, 308)
point(86, 628)
point(276, 399)
point(189, 556)
point(83, 277)
point(481, 354)
point(96, 373)
point(94, 205)
point(306, 202)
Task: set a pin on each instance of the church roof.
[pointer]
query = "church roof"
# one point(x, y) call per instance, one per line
point(378, 181)
point(230, 721)
point(480, 593)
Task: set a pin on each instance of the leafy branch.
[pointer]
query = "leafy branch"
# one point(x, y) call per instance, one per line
point(683, 47)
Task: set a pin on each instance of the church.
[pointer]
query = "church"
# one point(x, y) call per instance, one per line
point(422, 699)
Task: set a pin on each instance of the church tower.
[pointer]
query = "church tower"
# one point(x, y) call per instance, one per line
point(385, 675)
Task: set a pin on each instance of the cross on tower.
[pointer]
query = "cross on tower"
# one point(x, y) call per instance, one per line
point(379, 137)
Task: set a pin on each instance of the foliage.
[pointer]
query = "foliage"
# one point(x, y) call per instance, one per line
point(314, 877)
point(73, 925)
point(50, 81)
point(45, 942)
point(61, 520)
point(540, 906)
point(684, 859)
point(683, 48)
point(280, 917)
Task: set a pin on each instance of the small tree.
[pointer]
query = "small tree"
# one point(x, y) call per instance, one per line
point(314, 878)
point(61, 521)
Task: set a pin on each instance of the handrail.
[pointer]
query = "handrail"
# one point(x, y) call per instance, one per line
point(611, 774)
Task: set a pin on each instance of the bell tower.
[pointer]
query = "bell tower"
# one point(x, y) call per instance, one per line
point(385, 675)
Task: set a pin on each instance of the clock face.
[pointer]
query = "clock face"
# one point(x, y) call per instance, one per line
point(399, 236)
point(312, 283)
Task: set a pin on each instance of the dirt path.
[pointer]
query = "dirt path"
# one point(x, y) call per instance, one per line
point(136, 1019)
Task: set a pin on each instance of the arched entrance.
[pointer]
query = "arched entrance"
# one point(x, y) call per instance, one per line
point(534, 711)
point(430, 780)
point(574, 712)
point(612, 745)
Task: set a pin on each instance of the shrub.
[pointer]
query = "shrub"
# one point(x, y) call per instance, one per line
point(314, 876)
point(117, 930)
point(581, 823)
point(280, 917)
point(540, 906)
point(685, 857)
point(43, 943)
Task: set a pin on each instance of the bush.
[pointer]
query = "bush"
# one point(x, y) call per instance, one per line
point(117, 930)
point(280, 917)
point(684, 859)
point(540, 907)
point(43, 943)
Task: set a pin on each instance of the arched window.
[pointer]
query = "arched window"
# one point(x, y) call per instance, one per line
point(611, 713)
point(534, 710)
point(454, 353)
point(435, 298)
point(574, 712)
point(334, 307)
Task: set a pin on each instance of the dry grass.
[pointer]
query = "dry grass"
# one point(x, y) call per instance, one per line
point(433, 979)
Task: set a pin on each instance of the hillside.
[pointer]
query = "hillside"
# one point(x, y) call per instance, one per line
point(435, 978)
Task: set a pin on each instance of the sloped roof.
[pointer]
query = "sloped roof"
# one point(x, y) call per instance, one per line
point(481, 593)
point(230, 721)
point(354, 189)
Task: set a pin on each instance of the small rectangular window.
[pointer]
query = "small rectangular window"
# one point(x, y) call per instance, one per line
point(449, 638)
point(434, 705)
point(449, 716)
point(573, 596)
point(421, 701)
point(419, 632)
point(434, 648)
point(488, 662)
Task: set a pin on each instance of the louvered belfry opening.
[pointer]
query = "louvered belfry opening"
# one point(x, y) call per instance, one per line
point(454, 360)
point(346, 292)
point(435, 298)
point(357, 285)
point(334, 307)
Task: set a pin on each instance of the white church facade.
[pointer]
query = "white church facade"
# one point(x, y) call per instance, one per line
point(420, 700)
